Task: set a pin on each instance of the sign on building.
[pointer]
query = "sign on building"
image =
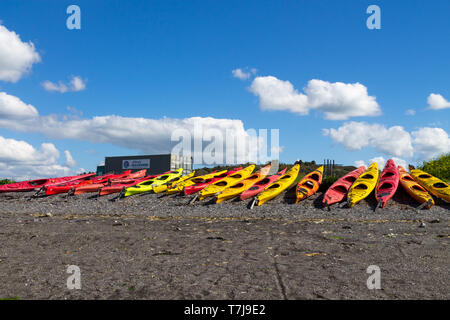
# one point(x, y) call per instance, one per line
point(136, 164)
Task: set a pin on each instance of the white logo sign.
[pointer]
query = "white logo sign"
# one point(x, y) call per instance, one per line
point(374, 281)
point(136, 164)
point(74, 281)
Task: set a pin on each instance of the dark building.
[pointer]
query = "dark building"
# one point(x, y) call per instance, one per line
point(154, 164)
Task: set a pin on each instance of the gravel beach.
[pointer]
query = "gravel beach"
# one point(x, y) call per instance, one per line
point(160, 247)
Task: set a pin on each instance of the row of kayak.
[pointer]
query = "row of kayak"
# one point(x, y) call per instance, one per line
point(359, 184)
point(246, 184)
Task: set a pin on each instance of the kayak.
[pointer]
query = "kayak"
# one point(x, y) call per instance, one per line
point(309, 184)
point(415, 190)
point(31, 185)
point(388, 183)
point(278, 186)
point(201, 185)
point(338, 190)
point(67, 186)
point(179, 187)
point(435, 186)
point(147, 186)
point(132, 176)
point(222, 184)
point(164, 187)
point(239, 187)
point(364, 185)
point(261, 185)
point(118, 187)
point(94, 187)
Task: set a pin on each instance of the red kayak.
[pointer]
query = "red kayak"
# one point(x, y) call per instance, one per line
point(118, 187)
point(132, 176)
point(261, 185)
point(388, 183)
point(65, 187)
point(37, 184)
point(94, 187)
point(338, 190)
point(201, 185)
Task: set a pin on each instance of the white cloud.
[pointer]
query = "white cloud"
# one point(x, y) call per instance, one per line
point(240, 74)
point(423, 144)
point(50, 86)
point(76, 84)
point(143, 134)
point(338, 100)
point(381, 161)
point(12, 107)
point(353, 136)
point(359, 163)
point(70, 162)
point(410, 112)
point(22, 161)
point(16, 56)
point(430, 142)
point(437, 102)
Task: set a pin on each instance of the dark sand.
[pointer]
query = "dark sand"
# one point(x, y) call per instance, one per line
point(147, 247)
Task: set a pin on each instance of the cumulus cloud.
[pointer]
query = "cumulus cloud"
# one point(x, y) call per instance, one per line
point(16, 56)
point(381, 161)
point(75, 84)
point(338, 100)
point(12, 107)
point(437, 102)
point(70, 162)
point(22, 161)
point(243, 75)
point(353, 136)
point(423, 144)
point(431, 142)
point(143, 134)
point(410, 112)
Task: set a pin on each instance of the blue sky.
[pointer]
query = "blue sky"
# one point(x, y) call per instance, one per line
point(174, 59)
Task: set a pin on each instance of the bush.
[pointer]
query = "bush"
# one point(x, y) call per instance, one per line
point(439, 167)
point(327, 182)
point(6, 181)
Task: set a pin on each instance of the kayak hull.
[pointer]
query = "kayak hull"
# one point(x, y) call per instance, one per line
point(414, 189)
point(309, 184)
point(283, 183)
point(364, 185)
point(259, 186)
point(239, 187)
point(221, 185)
point(337, 192)
point(433, 185)
point(388, 183)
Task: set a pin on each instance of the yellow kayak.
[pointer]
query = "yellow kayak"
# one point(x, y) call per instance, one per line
point(179, 187)
point(224, 183)
point(414, 189)
point(435, 186)
point(239, 187)
point(172, 183)
point(277, 187)
point(148, 185)
point(364, 185)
